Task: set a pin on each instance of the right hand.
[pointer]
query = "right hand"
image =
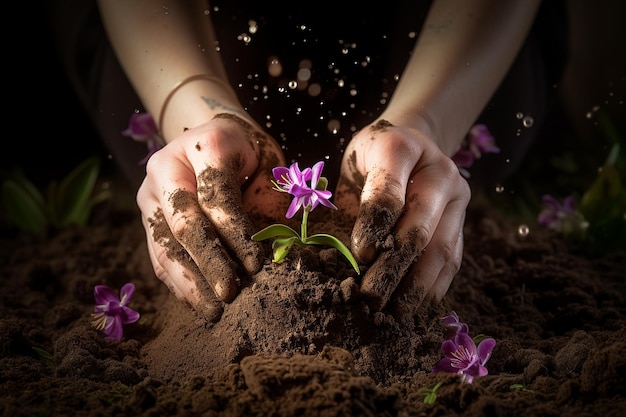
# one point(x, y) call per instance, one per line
point(196, 203)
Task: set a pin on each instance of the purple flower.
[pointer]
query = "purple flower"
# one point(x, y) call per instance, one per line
point(554, 214)
point(111, 313)
point(142, 128)
point(464, 358)
point(454, 326)
point(293, 181)
point(479, 141)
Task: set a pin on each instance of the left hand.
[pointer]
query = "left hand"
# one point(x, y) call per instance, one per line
point(409, 202)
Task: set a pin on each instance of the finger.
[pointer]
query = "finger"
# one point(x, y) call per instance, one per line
point(382, 278)
point(219, 196)
point(431, 275)
point(434, 212)
point(189, 226)
point(189, 285)
point(383, 196)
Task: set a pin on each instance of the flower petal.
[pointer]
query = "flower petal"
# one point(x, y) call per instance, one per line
point(104, 295)
point(114, 329)
point(485, 348)
point(129, 315)
point(126, 293)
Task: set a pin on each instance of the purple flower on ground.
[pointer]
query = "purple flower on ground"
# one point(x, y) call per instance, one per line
point(453, 325)
point(111, 312)
point(463, 357)
point(479, 141)
point(555, 214)
point(142, 128)
point(293, 181)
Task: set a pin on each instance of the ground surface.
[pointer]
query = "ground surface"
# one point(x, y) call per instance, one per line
point(299, 341)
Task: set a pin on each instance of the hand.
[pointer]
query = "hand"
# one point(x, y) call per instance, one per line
point(409, 201)
point(196, 203)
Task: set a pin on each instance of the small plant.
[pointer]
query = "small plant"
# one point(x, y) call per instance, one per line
point(111, 312)
point(295, 182)
point(46, 357)
point(67, 202)
point(430, 393)
point(593, 217)
point(462, 356)
point(519, 387)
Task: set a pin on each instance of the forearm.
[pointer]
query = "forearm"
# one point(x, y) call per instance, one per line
point(461, 56)
point(161, 44)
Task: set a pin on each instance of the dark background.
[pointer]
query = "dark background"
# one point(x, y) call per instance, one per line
point(49, 132)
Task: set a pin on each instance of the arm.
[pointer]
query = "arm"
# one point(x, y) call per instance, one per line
point(397, 177)
point(160, 44)
point(200, 189)
point(459, 60)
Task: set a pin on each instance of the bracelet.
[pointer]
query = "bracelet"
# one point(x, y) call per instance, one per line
point(188, 80)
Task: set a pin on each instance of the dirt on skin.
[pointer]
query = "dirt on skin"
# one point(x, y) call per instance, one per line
point(300, 340)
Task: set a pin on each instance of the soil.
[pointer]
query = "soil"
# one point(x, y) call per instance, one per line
point(300, 341)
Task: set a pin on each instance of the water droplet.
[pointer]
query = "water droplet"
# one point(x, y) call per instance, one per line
point(519, 115)
point(293, 84)
point(252, 26)
point(523, 230)
point(499, 188)
point(528, 121)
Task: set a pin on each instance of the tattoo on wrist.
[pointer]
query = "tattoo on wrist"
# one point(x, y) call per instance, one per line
point(215, 104)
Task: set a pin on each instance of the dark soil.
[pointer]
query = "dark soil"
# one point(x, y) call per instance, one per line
point(299, 341)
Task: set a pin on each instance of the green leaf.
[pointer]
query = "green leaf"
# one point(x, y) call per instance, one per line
point(275, 230)
point(328, 240)
point(24, 205)
point(603, 198)
point(46, 357)
point(430, 393)
point(71, 199)
point(281, 247)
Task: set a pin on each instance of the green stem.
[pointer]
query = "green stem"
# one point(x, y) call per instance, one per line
point(303, 231)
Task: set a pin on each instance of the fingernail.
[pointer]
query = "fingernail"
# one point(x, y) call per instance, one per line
point(211, 312)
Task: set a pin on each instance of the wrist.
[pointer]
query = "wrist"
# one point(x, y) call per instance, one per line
point(424, 123)
point(194, 101)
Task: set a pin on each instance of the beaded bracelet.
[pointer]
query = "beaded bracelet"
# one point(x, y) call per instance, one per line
point(181, 83)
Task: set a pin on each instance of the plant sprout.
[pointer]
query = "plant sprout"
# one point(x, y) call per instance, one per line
point(308, 188)
point(67, 202)
point(430, 393)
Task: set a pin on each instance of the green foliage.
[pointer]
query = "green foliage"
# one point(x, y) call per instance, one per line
point(430, 393)
point(520, 387)
point(46, 357)
point(604, 205)
point(285, 237)
point(68, 202)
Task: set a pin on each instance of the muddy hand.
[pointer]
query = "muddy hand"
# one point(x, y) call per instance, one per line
point(409, 202)
point(194, 203)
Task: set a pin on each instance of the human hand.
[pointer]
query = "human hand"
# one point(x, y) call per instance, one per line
point(409, 202)
point(196, 203)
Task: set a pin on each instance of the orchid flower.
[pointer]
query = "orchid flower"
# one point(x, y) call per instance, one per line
point(479, 141)
point(562, 217)
point(142, 128)
point(454, 326)
point(111, 312)
point(308, 188)
point(463, 357)
point(293, 181)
